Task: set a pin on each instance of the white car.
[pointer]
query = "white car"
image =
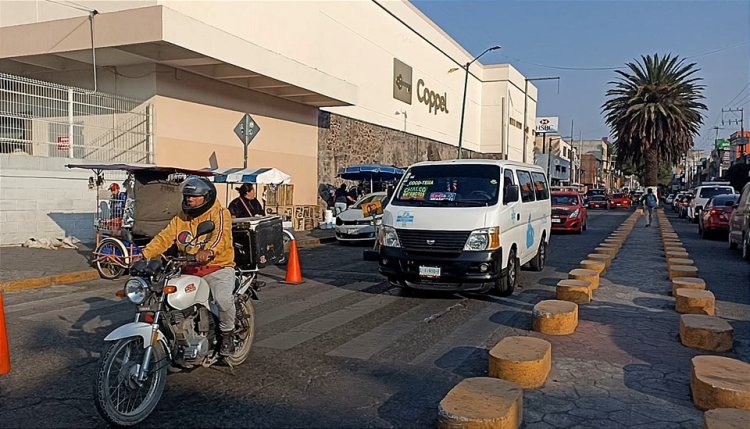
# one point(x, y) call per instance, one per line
point(704, 193)
point(352, 225)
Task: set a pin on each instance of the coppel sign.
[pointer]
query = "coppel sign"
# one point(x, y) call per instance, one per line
point(547, 124)
point(432, 99)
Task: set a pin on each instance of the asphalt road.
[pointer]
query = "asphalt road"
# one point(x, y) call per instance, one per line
point(344, 349)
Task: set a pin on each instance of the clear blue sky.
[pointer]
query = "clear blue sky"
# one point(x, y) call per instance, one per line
point(541, 38)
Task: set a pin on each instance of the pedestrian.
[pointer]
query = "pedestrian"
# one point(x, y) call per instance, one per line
point(341, 197)
point(649, 202)
point(246, 205)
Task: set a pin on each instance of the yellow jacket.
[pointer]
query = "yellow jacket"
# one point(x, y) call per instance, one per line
point(181, 230)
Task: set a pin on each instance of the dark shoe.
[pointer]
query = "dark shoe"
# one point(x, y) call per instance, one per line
point(227, 344)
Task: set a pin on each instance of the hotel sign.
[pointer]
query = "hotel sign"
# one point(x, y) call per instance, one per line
point(402, 89)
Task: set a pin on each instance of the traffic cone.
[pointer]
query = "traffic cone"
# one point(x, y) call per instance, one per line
point(293, 271)
point(4, 350)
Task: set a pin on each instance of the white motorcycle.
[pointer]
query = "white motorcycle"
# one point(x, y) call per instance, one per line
point(176, 325)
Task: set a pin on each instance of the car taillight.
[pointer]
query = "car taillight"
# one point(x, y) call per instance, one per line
point(715, 212)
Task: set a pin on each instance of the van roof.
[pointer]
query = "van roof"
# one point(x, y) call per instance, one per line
point(498, 162)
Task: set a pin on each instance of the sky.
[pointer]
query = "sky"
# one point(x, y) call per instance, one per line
point(582, 41)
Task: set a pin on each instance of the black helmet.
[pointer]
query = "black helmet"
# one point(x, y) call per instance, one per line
point(195, 186)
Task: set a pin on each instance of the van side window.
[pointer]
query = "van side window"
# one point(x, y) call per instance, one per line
point(527, 187)
point(540, 186)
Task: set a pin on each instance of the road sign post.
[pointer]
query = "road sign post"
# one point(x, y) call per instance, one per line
point(246, 130)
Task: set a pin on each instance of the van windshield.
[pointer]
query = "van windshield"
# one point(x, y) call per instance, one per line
point(449, 185)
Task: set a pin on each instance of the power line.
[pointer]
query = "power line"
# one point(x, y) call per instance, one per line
point(739, 93)
point(720, 49)
point(71, 5)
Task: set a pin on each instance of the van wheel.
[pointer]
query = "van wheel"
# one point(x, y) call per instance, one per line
point(506, 284)
point(537, 264)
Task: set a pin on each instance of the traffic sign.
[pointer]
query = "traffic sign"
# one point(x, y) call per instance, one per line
point(246, 130)
point(722, 144)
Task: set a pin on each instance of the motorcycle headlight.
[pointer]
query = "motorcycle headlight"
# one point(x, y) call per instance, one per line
point(388, 237)
point(574, 214)
point(483, 239)
point(136, 290)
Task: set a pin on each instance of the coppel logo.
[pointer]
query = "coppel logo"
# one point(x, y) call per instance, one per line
point(434, 101)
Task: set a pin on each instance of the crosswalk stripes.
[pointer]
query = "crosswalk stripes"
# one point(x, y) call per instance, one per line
point(94, 303)
point(321, 325)
point(58, 300)
point(370, 343)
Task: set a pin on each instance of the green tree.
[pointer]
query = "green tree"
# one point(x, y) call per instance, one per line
point(654, 111)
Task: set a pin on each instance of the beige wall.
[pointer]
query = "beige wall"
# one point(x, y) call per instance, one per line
point(195, 120)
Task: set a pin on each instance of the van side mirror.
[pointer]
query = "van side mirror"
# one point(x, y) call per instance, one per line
point(205, 227)
point(510, 194)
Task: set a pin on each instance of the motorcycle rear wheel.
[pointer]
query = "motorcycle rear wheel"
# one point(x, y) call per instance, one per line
point(244, 327)
point(120, 400)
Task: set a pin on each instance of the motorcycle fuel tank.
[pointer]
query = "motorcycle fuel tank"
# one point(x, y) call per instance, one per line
point(190, 290)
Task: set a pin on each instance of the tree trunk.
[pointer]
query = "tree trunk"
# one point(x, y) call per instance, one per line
point(651, 166)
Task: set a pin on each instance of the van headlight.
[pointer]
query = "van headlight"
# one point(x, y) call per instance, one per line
point(388, 237)
point(483, 239)
point(136, 290)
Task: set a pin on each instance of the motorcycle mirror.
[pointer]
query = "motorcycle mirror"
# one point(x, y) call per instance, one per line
point(205, 227)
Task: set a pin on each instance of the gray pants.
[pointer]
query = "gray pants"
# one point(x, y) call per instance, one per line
point(649, 214)
point(221, 283)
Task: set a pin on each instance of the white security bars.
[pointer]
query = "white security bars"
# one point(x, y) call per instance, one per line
point(50, 120)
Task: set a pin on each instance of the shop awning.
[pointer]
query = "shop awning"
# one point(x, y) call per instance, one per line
point(269, 176)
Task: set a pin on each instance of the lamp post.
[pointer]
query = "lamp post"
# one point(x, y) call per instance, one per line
point(525, 107)
point(463, 102)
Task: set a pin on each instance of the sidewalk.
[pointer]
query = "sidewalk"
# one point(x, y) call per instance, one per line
point(22, 267)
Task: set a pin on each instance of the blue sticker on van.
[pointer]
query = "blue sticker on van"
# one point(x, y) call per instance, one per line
point(404, 217)
point(529, 234)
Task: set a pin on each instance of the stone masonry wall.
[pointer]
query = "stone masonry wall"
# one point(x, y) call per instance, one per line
point(343, 142)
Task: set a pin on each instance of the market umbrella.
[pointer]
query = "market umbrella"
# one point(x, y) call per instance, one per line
point(371, 172)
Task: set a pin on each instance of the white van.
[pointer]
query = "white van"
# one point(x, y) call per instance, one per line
point(465, 225)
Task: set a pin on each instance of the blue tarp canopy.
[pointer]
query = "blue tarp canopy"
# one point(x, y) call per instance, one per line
point(371, 172)
point(269, 176)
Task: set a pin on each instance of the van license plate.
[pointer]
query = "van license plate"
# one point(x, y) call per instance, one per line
point(429, 272)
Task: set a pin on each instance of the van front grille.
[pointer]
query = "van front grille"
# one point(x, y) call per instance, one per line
point(436, 241)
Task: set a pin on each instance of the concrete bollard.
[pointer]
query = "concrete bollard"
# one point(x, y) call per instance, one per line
point(720, 382)
point(525, 361)
point(555, 317)
point(482, 402)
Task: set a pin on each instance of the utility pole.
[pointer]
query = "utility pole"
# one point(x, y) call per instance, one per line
point(741, 123)
point(525, 109)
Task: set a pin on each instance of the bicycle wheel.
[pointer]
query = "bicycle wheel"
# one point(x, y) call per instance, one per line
point(109, 258)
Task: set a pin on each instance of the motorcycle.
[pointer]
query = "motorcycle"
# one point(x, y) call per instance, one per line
point(176, 325)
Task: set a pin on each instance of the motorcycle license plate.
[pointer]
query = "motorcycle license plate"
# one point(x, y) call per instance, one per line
point(556, 220)
point(429, 272)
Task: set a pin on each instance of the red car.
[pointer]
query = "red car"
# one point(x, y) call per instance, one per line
point(598, 202)
point(714, 218)
point(568, 212)
point(619, 200)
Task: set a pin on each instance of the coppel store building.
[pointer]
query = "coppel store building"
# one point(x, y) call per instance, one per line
point(330, 84)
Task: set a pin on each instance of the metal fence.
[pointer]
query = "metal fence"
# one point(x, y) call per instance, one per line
point(50, 120)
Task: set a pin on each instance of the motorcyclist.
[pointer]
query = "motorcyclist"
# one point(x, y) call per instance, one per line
point(199, 204)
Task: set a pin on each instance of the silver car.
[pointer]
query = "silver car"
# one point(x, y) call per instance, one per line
point(352, 225)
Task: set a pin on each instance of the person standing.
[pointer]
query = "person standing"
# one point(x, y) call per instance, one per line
point(341, 197)
point(649, 202)
point(246, 205)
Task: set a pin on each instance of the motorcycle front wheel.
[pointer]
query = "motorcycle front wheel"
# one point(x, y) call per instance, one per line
point(119, 397)
point(244, 328)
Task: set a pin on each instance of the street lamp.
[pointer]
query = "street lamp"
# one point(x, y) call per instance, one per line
point(463, 102)
point(402, 112)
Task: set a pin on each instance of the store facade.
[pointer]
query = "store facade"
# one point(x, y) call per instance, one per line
point(330, 84)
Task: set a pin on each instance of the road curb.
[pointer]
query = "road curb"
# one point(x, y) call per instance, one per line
point(58, 279)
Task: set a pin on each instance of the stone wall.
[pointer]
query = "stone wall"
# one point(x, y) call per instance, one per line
point(343, 142)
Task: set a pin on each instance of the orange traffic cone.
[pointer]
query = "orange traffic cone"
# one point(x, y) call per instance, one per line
point(293, 271)
point(4, 350)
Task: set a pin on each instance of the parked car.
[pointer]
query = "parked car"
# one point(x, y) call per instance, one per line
point(739, 224)
point(714, 218)
point(703, 193)
point(670, 198)
point(568, 212)
point(598, 202)
point(677, 198)
point(352, 225)
point(619, 200)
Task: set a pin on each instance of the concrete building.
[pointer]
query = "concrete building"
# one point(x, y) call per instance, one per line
point(330, 84)
point(559, 164)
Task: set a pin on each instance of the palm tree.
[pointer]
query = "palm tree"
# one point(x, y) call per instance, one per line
point(653, 111)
